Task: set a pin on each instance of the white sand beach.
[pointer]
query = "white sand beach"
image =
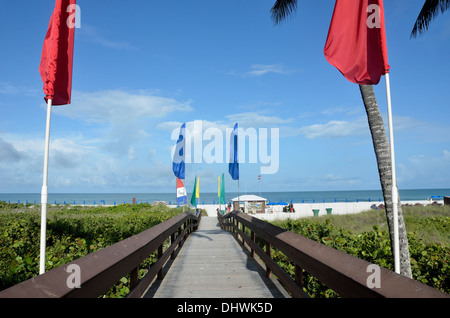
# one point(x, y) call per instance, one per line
point(275, 212)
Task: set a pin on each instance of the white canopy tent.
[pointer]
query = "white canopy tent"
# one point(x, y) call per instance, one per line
point(252, 203)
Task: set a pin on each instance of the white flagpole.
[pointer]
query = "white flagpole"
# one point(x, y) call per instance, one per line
point(239, 198)
point(44, 191)
point(394, 179)
point(218, 194)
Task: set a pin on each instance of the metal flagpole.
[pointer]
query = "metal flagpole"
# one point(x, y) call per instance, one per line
point(44, 191)
point(394, 179)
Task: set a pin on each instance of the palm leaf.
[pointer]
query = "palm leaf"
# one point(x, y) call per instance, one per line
point(282, 8)
point(429, 11)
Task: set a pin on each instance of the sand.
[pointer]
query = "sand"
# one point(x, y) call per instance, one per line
point(275, 212)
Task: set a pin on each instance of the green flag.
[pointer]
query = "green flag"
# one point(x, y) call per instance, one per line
point(194, 191)
point(222, 191)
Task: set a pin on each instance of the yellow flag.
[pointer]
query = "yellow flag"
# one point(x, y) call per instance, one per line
point(197, 193)
point(218, 187)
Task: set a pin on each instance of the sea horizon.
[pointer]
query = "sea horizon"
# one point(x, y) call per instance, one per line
point(111, 198)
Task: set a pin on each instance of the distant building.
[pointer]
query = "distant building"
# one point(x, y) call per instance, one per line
point(251, 203)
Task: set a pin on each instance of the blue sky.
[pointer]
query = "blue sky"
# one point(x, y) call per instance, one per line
point(144, 67)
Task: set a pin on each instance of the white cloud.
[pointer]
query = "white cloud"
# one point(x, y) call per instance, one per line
point(91, 34)
point(425, 170)
point(118, 106)
point(332, 178)
point(335, 128)
point(342, 110)
point(263, 69)
point(256, 120)
point(118, 149)
point(446, 155)
point(9, 89)
point(9, 152)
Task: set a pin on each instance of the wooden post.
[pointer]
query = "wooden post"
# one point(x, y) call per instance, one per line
point(134, 277)
point(268, 252)
point(252, 237)
point(160, 254)
point(172, 240)
point(299, 275)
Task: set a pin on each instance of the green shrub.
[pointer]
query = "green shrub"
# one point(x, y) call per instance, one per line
point(429, 261)
point(72, 232)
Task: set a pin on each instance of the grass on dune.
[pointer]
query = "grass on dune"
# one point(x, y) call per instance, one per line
point(430, 223)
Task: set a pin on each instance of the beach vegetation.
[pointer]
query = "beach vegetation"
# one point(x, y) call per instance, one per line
point(72, 232)
point(365, 235)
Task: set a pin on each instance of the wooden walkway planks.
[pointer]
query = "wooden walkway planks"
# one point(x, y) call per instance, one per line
point(211, 264)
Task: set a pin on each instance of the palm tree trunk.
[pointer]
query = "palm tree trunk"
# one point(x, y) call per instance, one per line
point(383, 156)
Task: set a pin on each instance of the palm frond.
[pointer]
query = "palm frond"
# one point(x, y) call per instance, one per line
point(429, 11)
point(281, 9)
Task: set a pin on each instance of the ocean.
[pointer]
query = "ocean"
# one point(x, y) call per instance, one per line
point(211, 198)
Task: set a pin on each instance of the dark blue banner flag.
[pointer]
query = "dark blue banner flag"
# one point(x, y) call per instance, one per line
point(178, 156)
point(233, 166)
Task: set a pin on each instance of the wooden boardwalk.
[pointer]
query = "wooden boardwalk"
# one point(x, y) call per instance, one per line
point(212, 264)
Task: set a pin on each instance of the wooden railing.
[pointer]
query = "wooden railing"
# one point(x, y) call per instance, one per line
point(99, 271)
point(347, 275)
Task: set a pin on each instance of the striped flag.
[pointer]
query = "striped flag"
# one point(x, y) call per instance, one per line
point(181, 193)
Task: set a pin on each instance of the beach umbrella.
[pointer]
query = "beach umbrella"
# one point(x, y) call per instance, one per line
point(56, 72)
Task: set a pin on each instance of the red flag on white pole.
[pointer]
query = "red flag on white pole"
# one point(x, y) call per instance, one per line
point(56, 73)
point(356, 46)
point(57, 54)
point(356, 42)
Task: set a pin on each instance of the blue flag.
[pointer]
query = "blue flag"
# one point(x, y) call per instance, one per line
point(178, 156)
point(233, 166)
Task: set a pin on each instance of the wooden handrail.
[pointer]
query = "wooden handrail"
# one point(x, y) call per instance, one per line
point(345, 274)
point(102, 269)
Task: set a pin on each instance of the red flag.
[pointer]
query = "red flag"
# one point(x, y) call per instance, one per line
point(57, 54)
point(356, 42)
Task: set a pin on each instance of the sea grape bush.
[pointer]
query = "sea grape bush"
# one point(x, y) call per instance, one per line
point(76, 231)
point(429, 261)
point(72, 232)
